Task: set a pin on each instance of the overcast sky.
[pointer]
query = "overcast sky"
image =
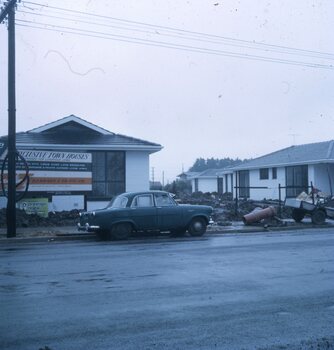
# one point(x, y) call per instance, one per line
point(195, 104)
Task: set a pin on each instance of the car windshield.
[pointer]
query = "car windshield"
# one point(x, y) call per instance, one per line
point(118, 202)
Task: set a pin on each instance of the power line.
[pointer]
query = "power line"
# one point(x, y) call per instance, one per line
point(123, 38)
point(315, 55)
point(138, 23)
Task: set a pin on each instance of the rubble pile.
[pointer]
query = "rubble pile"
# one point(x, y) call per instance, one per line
point(63, 218)
point(224, 211)
point(225, 207)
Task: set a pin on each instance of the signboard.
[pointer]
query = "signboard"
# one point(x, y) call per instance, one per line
point(55, 171)
point(37, 206)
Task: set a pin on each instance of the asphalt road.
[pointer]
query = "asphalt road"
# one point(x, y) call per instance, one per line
point(240, 291)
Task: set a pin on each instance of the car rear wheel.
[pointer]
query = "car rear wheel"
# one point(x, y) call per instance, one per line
point(197, 227)
point(298, 214)
point(121, 231)
point(318, 217)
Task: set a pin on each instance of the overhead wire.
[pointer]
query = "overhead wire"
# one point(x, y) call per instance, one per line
point(154, 26)
point(180, 34)
point(173, 36)
point(115, 37)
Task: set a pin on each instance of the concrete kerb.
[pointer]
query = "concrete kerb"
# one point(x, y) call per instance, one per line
point(68, 233)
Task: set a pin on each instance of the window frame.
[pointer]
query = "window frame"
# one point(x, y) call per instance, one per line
point(264, 173)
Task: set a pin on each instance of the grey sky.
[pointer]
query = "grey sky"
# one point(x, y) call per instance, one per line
point(194, 104)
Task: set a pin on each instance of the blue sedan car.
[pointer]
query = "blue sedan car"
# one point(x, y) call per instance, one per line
point(146, 211)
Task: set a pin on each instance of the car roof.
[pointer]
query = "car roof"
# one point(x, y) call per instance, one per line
point(132, 194)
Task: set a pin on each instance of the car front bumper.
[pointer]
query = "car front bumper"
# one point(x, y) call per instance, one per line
point(87, 227)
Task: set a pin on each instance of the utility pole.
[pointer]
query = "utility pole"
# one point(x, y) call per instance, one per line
point(9, 12)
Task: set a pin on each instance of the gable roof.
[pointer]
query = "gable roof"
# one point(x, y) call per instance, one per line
point(311, 153)
point(77, 134)
point(68, 119)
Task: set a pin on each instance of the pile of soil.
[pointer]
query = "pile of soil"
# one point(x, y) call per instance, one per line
point(224, 208)
point(63, 218)
point(224, 212)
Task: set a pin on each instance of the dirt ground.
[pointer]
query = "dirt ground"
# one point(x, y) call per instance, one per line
point(224, 212)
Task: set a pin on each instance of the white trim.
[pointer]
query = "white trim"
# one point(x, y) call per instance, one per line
point(69, 119)
point(285, 164)
point(123, 147)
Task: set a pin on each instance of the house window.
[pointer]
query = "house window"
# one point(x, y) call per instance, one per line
point(108, 174)
point(296, 179)
point(220, 185)
point(264, 174)
point(196, 185)
point(244, 183)
point(274, 173)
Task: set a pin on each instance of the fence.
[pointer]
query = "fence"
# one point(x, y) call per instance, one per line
point(280, 188)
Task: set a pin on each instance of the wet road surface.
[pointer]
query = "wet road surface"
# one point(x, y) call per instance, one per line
point(268, 290)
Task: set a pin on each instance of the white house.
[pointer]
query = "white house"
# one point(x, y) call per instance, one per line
point(213, 180)
point(75, 164)
point(293, 168)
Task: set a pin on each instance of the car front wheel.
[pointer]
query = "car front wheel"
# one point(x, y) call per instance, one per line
point(197, 227)
point(121, 231)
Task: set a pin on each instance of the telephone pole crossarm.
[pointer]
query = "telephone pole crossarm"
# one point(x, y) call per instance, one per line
point(7, 7)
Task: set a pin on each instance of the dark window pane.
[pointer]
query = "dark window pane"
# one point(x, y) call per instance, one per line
point(108, 173)
point(114, 188)
point(98, 166)
point(99, 189)
point(274, 173)
point(264, 174)
point(244, 183)
point(115, 166)
point(220, 185)
point(296, 180)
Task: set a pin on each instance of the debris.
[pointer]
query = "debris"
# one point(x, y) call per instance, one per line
point(259, 214)
point(62, 218)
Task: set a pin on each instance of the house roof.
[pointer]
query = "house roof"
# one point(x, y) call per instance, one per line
point(189, 174)
point(213, 172)
point(311, 153)
point(68, 119)
point(77, 134)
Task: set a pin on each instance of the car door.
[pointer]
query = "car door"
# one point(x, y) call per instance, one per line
point(143, 212)
point(169, 214)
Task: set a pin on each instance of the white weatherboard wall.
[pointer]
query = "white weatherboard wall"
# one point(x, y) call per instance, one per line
point(322, 177)
point(137, 168)
point(272, 184)
point(207, 185)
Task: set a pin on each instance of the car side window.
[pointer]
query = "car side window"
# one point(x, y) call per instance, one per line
point(143, 201)
point(163, 200)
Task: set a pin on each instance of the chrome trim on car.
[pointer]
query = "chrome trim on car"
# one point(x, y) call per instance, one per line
point(88, 228)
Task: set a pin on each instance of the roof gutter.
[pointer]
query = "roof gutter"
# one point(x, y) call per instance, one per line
point(285, 164)
point(123, 147)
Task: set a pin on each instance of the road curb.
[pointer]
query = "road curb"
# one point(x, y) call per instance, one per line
point(63, 237)
point(45, 239)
